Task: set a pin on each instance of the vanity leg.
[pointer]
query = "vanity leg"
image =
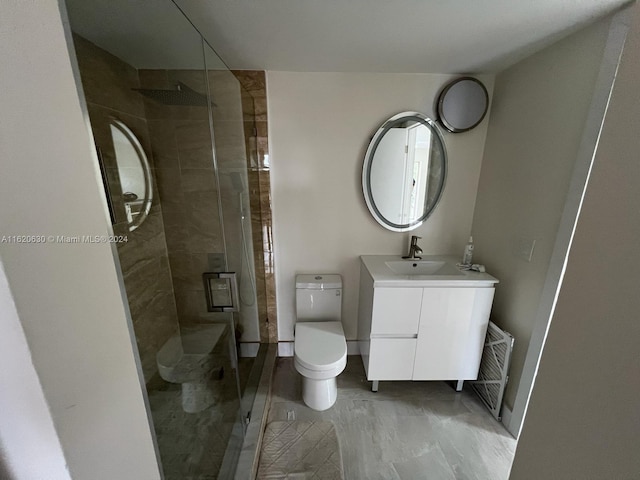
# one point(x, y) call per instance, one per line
point(374, 386)
point(459, 385)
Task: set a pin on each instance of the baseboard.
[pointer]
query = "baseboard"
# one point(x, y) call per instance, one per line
point(506, 414)
point(285, 349)
point(353, 347)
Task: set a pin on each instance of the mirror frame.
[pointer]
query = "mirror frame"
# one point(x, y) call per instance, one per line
point(368, 160)
point(146, 169)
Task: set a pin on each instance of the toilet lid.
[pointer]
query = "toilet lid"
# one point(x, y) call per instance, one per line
point(320, 345)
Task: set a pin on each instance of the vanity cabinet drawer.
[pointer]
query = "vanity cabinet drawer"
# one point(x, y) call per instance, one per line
point(396, 311)
point(391, 358)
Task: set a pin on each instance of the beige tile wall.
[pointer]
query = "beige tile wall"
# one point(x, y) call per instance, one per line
point(107, 82)
point(181, 143)
point(254, 82)
point(165, 257)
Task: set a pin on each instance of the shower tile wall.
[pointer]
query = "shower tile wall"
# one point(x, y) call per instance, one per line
point(254, 84)
point(232, 113)
point(107, 82)
point(180, 140)
point(249, 114)
point(165, 257)
point(181, 144)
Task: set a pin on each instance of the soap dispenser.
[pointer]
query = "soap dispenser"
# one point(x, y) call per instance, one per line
point(468, 252)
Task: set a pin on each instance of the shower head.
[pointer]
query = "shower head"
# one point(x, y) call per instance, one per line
point(182, 95)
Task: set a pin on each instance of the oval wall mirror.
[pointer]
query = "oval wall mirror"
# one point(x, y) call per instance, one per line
point(404, 171)
point(134, 173)
point(462, 104)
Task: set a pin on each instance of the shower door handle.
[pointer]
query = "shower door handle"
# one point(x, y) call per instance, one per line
point(221, 289)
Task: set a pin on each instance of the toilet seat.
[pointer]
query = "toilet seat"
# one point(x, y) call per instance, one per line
point(320, 347)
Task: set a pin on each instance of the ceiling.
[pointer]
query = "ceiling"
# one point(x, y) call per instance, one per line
point(394, 36)
point(144, 33)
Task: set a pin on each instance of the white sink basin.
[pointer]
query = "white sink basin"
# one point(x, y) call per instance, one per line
point(422, 267)
point(431, 271)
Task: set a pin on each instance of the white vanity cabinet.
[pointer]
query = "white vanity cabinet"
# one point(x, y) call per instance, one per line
point(422, 328)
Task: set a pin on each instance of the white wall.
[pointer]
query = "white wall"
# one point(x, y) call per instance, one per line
point(28, 432)
point(68, 296)
point(320, 125)
point(534, 136)
point(583, 417)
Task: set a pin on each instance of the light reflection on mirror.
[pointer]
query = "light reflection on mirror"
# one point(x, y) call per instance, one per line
point(404, 171)
point(134, 173)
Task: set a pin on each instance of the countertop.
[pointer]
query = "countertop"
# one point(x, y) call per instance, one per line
point(383, 276)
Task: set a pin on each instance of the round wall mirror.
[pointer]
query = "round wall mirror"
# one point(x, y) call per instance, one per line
point(404, 171)
point(134, 173)
point(462, 104)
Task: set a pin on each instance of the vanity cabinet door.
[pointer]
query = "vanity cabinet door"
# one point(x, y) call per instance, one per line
point(453, 325)
point(396, 311)
point(391, 359)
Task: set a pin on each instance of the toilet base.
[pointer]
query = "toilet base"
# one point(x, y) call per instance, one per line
point(319, 395)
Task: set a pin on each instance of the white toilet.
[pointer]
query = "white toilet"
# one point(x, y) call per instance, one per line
point(320, 346)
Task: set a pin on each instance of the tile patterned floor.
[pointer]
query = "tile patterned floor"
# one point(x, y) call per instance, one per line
point(406, 431)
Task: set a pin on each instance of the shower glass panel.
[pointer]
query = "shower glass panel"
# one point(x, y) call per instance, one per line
point(233, 120)
point(233, 129)
point(144, 65)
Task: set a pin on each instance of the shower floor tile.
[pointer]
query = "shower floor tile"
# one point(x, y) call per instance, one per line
point(192, 445)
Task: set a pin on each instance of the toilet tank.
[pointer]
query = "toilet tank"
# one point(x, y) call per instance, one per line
point(318, 298)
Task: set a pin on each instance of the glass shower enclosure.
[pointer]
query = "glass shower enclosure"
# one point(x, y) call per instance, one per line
point(173, 128)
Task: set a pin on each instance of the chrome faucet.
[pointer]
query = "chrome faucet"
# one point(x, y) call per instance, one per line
point(414, 249)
